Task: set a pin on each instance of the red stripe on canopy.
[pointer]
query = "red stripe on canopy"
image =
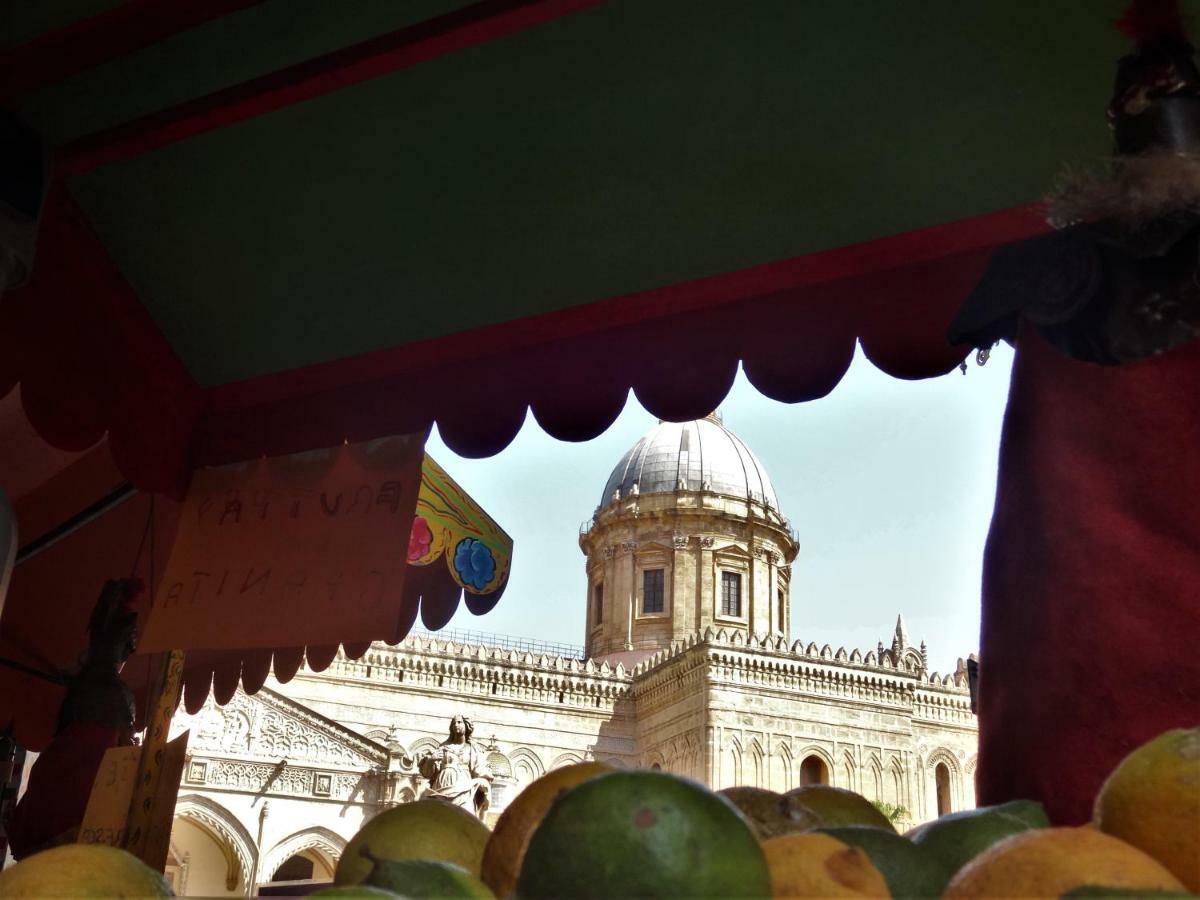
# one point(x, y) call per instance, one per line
point(89, 358)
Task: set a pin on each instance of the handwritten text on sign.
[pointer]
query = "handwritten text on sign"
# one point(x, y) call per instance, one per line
point(104, 820)
point(291, 551)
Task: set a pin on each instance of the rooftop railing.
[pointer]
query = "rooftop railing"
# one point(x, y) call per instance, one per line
point(502, 641)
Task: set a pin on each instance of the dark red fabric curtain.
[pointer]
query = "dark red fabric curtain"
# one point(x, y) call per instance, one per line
point(1092, 568)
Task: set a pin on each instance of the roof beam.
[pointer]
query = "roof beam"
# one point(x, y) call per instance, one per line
point(475, 24)
point(57, 55)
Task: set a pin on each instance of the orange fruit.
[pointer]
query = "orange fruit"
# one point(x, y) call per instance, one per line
point(1152, 801)
point(1048, 862)
point(812, 864)
point(506, 847)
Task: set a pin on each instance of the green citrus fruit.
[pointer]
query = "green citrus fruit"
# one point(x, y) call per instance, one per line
point(427, 829)
point(506, 847)
point(957, 838)
point(1098, 892)
point(769, 814)
point(419, 879)
point(642, 834)
point(834, 807)
point(910, 871)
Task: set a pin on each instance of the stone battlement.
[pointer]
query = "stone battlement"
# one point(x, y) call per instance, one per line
point(892, 676)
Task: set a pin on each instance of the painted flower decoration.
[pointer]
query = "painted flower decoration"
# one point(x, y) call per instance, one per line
point(474, 563)
point(419, 539)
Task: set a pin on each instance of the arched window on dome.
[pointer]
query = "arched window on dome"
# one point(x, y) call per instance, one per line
point(781, 598)
point(598, 604)
point(814, 771)
point(941, 779)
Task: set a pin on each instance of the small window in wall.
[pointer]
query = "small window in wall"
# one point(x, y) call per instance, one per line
point(782, 599)
point(814, 771)
point(731, 594)
point(652, 591)
point(598, 600)
point(941, 778)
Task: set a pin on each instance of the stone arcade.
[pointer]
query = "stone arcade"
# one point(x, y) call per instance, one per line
point(688, 666)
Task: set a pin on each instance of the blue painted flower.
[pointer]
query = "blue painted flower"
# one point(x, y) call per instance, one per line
point(474, 562)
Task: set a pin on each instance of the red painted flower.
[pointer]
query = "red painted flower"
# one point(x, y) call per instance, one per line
point(419, 539)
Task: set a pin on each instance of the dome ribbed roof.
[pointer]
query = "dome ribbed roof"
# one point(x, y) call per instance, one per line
point(692, 456)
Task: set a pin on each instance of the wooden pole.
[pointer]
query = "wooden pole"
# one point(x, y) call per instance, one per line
point(160, 767)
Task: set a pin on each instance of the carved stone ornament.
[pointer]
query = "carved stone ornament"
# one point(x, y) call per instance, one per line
point(629, 546)
point(707, 542)
point(458, 771)
point(610, 551)
point(680, 541)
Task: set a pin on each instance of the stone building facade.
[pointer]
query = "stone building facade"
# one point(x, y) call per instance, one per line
point(688, 667)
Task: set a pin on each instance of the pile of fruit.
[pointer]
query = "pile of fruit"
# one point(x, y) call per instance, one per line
point(592, 831)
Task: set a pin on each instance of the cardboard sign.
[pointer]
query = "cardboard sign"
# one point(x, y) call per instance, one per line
point(108, 804)
point(290, 551)
point(148, 834)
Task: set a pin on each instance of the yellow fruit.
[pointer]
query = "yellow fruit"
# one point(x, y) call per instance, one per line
point(1048, 862)
point(811, 864)
point(428, 830)
point(769, 814)
point(834, 807)
point(506, 847)
point(1152, 801)
point(82, 870)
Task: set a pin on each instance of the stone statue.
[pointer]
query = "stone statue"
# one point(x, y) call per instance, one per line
point(457, 771)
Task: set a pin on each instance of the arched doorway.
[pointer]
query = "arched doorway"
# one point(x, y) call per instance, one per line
point(941, 779)
point(814, 771)
point(294, 868)
point(219, 852)
point(308, 855)
point(212, 868)
point(303, 866)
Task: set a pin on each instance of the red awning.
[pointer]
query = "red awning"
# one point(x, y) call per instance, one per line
point(97, 363)
point(45, 616)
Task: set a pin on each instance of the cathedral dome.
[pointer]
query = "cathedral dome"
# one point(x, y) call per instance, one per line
point(702, 455)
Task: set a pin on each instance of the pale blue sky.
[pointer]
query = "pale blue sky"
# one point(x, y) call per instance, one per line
point(890, 485)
